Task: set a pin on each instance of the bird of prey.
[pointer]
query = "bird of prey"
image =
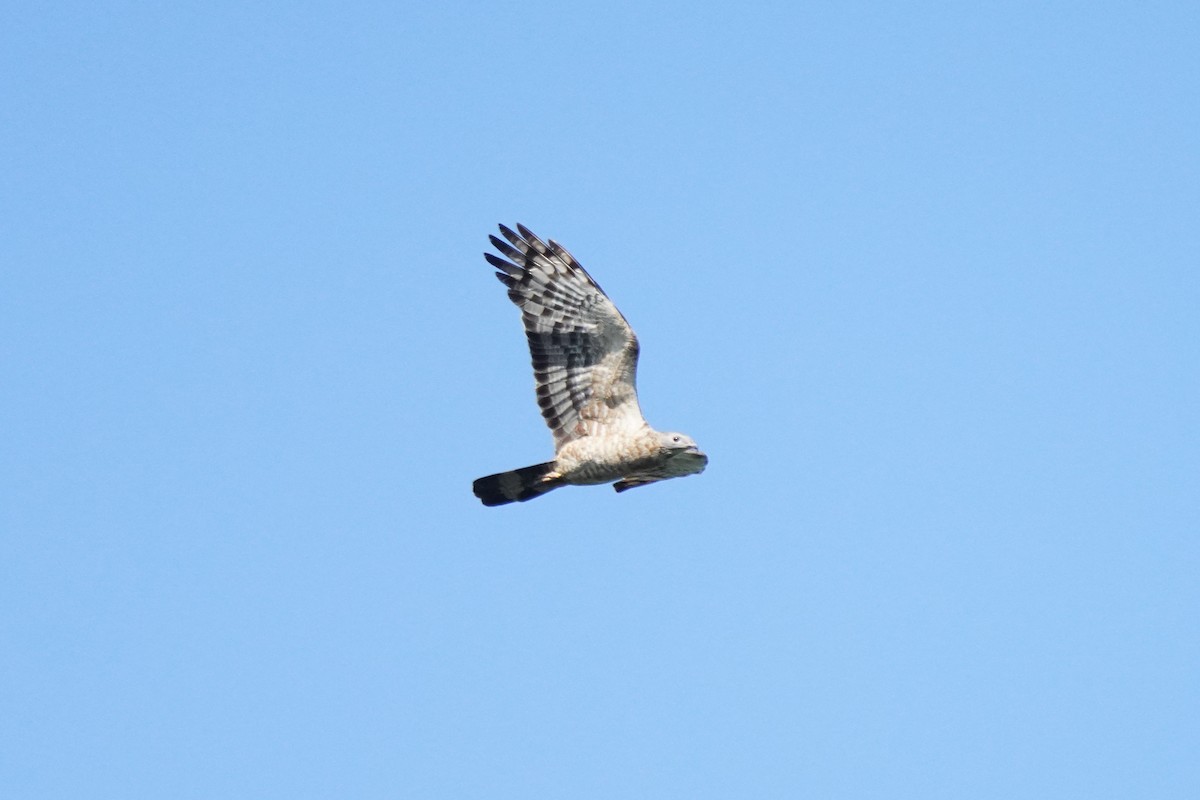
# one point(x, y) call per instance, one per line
point(585, 367)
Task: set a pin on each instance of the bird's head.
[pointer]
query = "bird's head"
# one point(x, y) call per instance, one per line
point(680, 444)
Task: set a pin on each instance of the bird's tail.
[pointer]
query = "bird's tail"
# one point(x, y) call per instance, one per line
point(518, 484)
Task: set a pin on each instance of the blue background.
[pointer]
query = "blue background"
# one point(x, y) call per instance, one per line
point(921, 278)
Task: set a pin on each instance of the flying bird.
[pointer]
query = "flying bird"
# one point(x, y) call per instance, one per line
point(585, 367)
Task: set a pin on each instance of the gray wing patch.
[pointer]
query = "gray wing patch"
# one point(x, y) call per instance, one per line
point(584, 352)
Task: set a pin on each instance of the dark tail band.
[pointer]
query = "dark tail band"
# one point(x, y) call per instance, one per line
point(517, 485)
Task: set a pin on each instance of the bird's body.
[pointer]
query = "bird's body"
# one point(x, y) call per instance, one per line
point(585, 365)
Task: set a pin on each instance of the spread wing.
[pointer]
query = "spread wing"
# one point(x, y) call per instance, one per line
point(584, 352)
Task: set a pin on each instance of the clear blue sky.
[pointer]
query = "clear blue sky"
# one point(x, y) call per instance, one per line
point(923, 280)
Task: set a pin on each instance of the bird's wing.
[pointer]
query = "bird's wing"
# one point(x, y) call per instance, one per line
point(584, 352)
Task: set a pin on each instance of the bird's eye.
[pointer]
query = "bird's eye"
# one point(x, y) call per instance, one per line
point(674, 438)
